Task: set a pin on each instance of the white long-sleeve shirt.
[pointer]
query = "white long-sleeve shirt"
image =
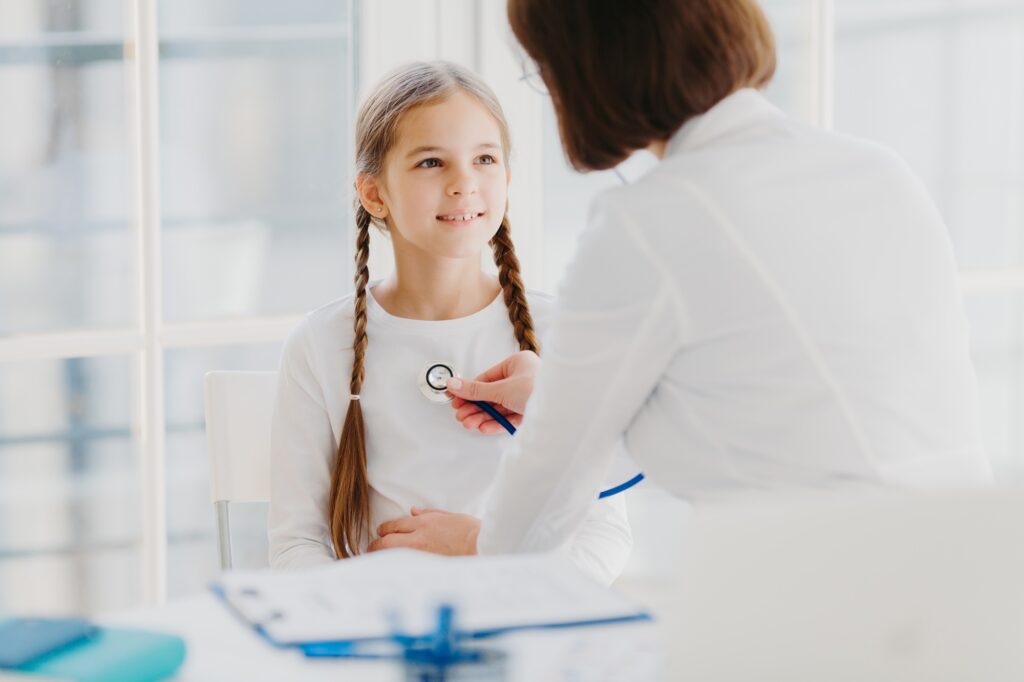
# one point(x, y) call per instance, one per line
point(772, 305)
point(417, 453)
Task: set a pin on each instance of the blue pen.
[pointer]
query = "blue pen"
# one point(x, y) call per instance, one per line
point(444, 638)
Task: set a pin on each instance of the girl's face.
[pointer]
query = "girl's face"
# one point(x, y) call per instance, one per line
point(445, 183)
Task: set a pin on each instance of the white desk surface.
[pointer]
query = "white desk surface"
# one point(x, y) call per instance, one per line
point(221, 648)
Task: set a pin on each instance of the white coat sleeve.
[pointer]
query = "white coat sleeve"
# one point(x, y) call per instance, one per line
point(618, 321)
point(302, 449)
point(601, 546)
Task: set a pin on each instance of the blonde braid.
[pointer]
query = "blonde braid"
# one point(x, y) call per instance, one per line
point(512, 287)
point(348, 505)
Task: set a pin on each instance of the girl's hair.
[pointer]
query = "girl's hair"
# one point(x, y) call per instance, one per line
point(402, 90)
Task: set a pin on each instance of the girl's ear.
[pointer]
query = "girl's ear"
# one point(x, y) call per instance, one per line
point(370, 196)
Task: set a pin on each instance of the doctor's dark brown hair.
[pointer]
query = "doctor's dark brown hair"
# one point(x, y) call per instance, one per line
point(377, 129)
point(625, 73)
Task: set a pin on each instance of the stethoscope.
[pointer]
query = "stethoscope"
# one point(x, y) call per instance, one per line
point(433, 383)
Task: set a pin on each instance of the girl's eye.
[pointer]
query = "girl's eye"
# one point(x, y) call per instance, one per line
point(487, 159)
point(429, 163)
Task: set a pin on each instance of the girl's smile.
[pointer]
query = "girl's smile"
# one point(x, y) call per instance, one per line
point(461, 217)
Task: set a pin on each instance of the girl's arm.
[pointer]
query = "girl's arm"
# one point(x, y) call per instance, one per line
point(600, 547)
point(302, 449)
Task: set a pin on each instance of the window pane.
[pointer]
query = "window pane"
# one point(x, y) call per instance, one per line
point(33, 19)
point(69, 504)
point(178, 15)
point(790, 89)
point(255, 156)
point(942, 82)
point(65, 194)
point(192, 552)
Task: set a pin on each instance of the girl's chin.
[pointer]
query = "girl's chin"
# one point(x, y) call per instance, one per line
point(454, 242)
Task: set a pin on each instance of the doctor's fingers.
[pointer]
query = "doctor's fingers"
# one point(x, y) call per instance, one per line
point(464, 408)
point(511, 393)
point(470, 416)
point(491, 428)
point(470, 409)
point(473, 420)
point(483, 423)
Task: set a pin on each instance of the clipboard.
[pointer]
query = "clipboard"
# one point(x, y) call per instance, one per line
point(348, 607)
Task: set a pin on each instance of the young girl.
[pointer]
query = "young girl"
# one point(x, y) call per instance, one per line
point(355, 441)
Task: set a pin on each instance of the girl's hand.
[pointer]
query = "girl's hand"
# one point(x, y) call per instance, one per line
point(430, 530)
point(507, 386)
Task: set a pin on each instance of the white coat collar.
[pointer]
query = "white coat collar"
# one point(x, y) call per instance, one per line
point(738, 110)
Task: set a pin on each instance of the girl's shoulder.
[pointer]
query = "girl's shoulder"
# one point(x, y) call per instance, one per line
point(338, 309)
point(321, 342)
point(328, 327)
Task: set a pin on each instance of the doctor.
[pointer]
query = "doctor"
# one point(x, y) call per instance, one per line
point(772, 306)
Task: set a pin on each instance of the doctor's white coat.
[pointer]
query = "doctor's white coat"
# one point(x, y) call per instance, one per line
point(771, 306)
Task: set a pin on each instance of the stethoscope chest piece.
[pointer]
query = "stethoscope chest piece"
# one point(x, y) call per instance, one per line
point(433, 382)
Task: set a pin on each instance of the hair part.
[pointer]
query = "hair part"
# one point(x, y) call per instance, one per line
point(635, 72)
point(406, 88)
point(377, 125)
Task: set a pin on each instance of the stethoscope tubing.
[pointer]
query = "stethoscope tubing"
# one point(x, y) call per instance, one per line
point(495, 415)
point(500, 418)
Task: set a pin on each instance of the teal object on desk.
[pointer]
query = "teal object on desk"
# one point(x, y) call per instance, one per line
point(114, 655)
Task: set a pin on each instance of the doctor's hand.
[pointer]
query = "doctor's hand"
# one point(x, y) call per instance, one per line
point(430, 530)
point(507, 386)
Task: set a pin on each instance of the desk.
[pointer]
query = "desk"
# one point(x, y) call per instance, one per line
point(220, 649)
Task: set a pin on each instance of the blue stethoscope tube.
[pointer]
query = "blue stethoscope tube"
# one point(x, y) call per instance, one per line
point(500, 418)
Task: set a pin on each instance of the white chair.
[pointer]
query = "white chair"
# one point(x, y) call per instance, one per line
point(239, 407)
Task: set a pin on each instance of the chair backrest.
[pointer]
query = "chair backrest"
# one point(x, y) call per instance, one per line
point(239, 407)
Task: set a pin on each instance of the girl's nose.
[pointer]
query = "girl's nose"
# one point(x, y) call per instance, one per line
point(462, 182)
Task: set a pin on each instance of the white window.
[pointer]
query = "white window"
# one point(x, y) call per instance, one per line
point(175, 188)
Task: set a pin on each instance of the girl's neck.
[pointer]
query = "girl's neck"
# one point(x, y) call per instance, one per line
point(444, 289)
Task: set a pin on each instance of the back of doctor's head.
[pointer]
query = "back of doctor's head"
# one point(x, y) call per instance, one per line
point(378, 126)
point(625, 73)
